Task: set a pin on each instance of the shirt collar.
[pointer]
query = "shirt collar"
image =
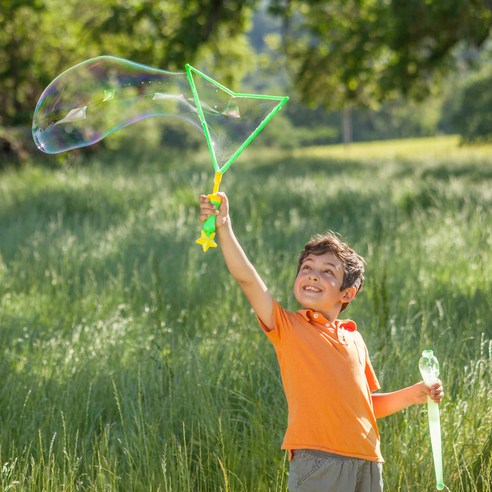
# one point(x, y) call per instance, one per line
point(315, 317)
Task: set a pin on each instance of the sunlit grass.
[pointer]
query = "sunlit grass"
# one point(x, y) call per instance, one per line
point(131, 361)
point(432, 147)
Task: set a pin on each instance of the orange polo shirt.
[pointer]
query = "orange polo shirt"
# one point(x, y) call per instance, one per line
point(328, 380)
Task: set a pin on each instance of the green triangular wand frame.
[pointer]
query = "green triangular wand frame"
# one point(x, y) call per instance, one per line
point(206, 239)
point(191, 71)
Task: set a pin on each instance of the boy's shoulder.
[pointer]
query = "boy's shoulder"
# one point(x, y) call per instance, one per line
point(312, 316)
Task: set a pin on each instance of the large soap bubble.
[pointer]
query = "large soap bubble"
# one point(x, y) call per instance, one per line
point(97, 97)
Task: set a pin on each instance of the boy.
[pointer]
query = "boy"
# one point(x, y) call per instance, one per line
point(332, 435)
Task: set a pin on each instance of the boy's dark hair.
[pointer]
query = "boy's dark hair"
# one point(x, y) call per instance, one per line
point(353, 264)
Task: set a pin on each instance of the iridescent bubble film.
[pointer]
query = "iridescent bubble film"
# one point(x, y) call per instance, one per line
point(97, 97)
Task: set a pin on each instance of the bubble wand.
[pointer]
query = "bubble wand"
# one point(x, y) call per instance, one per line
point(429, 369)
point(237, 106)
point(101, 95)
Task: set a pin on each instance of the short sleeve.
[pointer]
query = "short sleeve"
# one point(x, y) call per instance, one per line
point(282, 323)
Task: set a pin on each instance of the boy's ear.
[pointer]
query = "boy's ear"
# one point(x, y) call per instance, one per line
point(348, 294)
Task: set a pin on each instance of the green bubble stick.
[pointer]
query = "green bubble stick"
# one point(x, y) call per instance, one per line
point(230, 121)
point(429, 369)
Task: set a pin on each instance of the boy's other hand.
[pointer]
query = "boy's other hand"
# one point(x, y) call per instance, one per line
point(207, 209)
point(436, 392)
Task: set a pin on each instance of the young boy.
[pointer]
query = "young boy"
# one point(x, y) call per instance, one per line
point(332, 435)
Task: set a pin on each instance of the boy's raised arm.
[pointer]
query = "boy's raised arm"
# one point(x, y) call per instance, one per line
point(237, 262)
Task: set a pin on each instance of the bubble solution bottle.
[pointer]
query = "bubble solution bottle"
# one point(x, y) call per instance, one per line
point(429, 369)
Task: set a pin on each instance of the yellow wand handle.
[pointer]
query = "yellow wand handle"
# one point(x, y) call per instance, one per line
point(217, 180)
point(207, 235)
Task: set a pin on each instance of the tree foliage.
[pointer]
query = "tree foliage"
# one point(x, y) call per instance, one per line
point(341, 53)
point(468, 110)
point(17, 39)
point(41, 38)
point(357, 52)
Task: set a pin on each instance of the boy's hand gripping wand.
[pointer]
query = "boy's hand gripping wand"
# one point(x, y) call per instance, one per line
point(207, 234)
point(429, 369)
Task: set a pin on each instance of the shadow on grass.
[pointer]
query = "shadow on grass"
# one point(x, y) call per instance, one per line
point(290, 166)
point(474, 171)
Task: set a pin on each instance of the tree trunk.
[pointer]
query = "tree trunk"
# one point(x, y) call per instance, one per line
point(347, 125)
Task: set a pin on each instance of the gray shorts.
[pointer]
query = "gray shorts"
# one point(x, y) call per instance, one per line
point(317, 471)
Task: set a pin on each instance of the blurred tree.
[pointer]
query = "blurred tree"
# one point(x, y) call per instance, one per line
point(17, 25)
point(357, 53)
point(41, 38)
point(468, 110)
point(364, 50)
point(168, 34)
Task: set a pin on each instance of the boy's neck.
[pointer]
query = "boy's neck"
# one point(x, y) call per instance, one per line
point(329, 315)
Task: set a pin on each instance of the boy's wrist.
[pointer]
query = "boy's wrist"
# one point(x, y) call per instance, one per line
point(225, 224)
point(420, 393)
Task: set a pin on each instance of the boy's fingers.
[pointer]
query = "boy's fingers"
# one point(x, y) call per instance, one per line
point(436, 392)
point(208, 209)
point(205, 212)
point(205, 203)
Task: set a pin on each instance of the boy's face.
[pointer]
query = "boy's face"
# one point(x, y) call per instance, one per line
point(317, 285)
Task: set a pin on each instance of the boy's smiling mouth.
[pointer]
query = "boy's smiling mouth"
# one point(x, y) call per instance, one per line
point(311, 288)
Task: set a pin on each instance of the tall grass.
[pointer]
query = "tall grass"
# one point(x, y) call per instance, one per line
point(131, 361)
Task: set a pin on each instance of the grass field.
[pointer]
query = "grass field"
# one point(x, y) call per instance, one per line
point(131, 361)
